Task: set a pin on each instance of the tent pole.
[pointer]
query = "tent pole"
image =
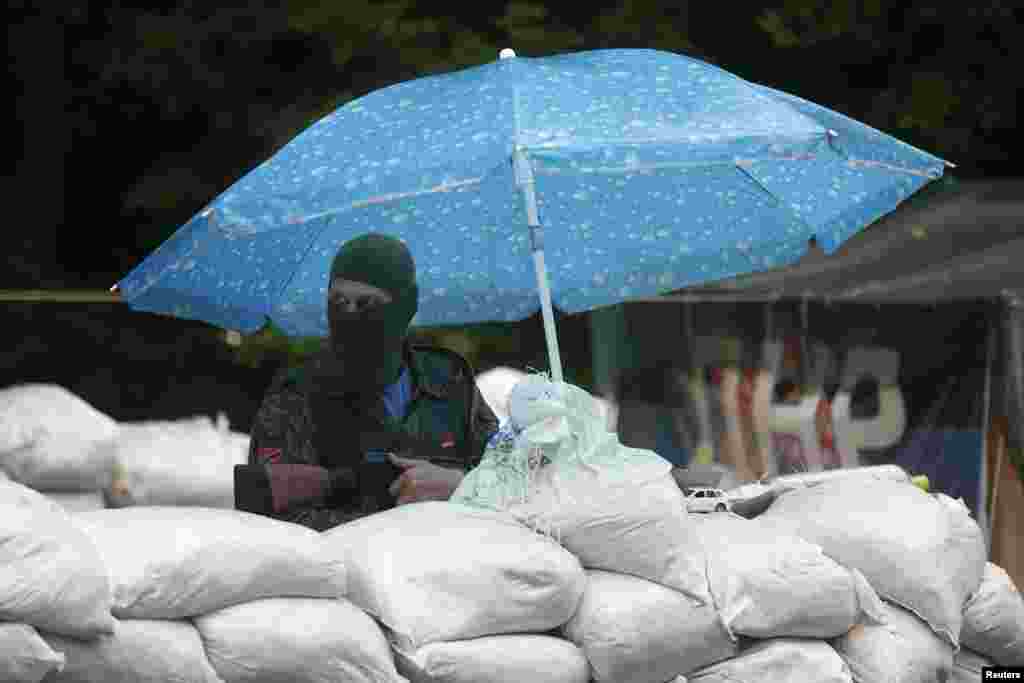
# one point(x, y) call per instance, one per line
point(988, 517)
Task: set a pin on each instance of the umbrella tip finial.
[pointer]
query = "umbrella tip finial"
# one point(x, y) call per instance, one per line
point(506, 53)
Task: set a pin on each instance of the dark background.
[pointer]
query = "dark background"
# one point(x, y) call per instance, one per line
point(130, 119)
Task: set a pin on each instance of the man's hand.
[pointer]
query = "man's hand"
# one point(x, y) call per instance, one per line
point(421, 480)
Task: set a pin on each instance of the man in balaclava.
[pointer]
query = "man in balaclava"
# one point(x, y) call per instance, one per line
point(370, 303)
point(372, 420)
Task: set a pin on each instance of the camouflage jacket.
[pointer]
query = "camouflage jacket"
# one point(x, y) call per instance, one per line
point(310, 468)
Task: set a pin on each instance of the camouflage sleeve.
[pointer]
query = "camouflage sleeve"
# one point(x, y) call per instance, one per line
point(483, 425)
point(300, 490)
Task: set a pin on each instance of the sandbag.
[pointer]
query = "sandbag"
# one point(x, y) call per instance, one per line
point(496, 659)
point(186, 462)
point(73, 502)
point(967, 667)
point(781, 660)
point(556, 468)
point(51, 573)
point(636, 631)
point(48, 438)
point(142, 651)
point(177, 562)
point(437, 571)
point(296, 640)
point(24, 656)
point(920, 551)
point(767, 583)
point(902, 650)
point(994, 619)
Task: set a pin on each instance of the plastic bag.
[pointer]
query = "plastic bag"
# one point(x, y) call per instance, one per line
point(496, 659)
point(48, 438)
point(177, 562)
point(994, 619)
point(52, 575)
point(902, 650)
point(920, 551)
point(142, 651)
point(437, 571)
point(182, 462)
point(770, 584)
point(782, 660)
point(636, 631)
point(299, 640)
point(24, 656)
point(558, 469)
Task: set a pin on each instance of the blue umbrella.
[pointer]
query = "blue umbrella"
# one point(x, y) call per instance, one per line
point(649, 172)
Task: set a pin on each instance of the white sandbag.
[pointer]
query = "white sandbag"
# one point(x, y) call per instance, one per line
point(636, 631)
point(994, 619)
point(24, 656)
point(142, 651)
point(176, 562)
point(48, 438)
point(557, 468)
point(496, 659)
point(902, 650)
point(182, 462)
point(768, 584)
point(920, 551)
point(781, 660)
point(967, 667)
point(297, 640)
point(438, 571)
point(73, 502)
point(51, 574)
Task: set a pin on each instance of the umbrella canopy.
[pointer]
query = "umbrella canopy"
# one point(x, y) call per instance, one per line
point(966, 243)
point(648, 171)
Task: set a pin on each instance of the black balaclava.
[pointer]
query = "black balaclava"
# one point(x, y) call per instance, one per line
point(366, 346)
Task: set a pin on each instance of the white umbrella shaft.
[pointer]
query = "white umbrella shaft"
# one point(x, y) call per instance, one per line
point(550, 336)
point(524, 177)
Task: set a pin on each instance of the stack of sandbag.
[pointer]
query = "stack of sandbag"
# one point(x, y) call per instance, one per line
point(921, 552)
point(50, 440)
point(558, 469)
point(668, 592)
point(52, 578)
point(187, 462)
point(764, 584)
point(182, 576)
point(464, 594)
point(994, 619)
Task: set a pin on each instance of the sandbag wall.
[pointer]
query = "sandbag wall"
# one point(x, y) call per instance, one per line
point(55, 442)
point(601, 576)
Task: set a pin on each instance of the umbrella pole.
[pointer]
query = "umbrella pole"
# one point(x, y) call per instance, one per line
point(524, 178)
point(550, 335)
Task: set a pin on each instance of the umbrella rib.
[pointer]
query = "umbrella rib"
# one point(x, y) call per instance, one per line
point(393, 196)
point(778, 202)
point(280, 296)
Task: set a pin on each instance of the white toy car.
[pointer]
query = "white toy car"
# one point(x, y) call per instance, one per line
point(704, 499)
